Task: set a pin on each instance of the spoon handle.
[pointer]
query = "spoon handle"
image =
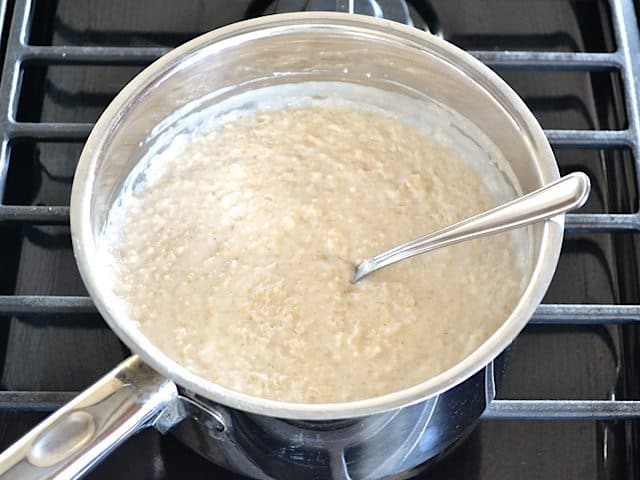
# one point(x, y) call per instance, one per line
point(567, 193)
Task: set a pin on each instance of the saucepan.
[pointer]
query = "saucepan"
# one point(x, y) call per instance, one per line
point(379, 437)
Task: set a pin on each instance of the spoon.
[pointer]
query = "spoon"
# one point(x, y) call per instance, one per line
point(567, 193)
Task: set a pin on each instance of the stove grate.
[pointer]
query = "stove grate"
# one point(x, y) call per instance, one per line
point(20, 53)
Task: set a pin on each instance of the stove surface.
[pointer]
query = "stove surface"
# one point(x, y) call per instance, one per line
point(66, 349)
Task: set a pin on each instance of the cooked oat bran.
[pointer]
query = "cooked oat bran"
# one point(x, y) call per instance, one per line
point(235, 256)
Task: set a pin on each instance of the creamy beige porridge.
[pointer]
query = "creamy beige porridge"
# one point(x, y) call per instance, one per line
point(234, 255)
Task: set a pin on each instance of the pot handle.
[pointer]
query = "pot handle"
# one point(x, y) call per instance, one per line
point(75, 438)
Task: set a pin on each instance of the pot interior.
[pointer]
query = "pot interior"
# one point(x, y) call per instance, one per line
point(301, 48)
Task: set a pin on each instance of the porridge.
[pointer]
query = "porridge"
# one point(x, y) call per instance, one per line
point(234, 254)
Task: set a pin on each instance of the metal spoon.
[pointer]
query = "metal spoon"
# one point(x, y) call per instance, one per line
point(567, 193)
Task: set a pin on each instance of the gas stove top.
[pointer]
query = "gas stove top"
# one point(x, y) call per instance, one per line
point(569, 404)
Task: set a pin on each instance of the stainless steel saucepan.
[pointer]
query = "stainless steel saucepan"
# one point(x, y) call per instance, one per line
point(261, 438)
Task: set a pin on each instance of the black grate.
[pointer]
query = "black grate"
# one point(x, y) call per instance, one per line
point(623, 60)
